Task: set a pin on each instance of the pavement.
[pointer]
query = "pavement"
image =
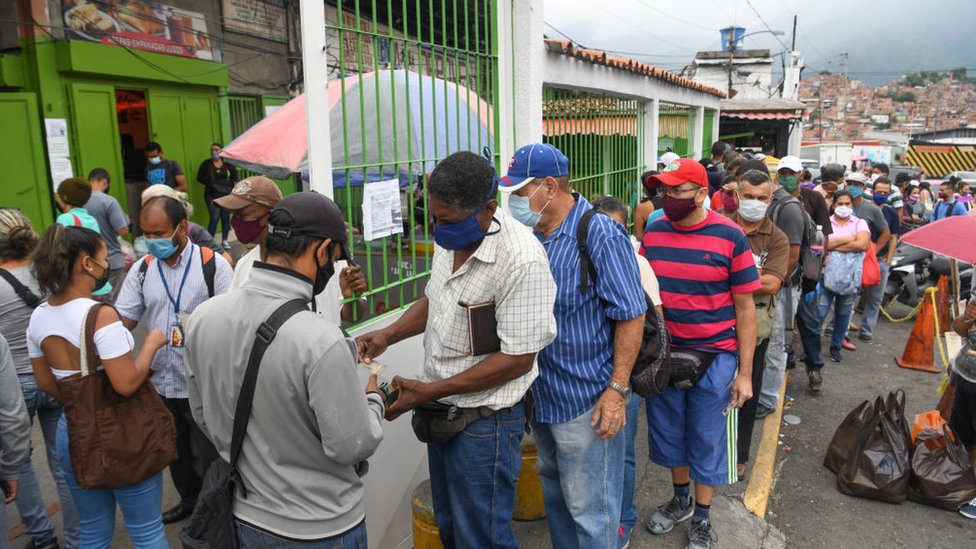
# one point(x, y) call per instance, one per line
point(803, 507)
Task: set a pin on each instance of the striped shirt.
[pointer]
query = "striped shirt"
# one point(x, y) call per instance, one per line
point(575, 368)
point(699, 268)
point(150, 298)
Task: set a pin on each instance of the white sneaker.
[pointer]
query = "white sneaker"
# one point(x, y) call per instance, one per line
point(969, 510)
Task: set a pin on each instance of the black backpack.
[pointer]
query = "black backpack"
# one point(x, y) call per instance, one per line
point(652, 369)
point(810, 264)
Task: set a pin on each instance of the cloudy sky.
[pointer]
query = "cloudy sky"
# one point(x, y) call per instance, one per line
point(884, 38)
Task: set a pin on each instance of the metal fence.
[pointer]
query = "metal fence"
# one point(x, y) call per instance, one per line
point(675, 129)
point(414, 81)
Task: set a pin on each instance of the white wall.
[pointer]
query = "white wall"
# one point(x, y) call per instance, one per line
point(755, 85)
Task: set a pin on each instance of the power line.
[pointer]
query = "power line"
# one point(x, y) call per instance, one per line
point(666, 14)
point(564, 35)
point(754, 10)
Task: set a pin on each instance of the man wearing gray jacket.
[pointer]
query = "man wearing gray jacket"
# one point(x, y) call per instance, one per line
point(311, 425)
point(14, 434)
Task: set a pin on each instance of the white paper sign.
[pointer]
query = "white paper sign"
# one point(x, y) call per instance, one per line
point(381, 209)
point(60, 170)
point(57, 137)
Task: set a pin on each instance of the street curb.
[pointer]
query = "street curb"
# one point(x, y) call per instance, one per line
point(756, 497)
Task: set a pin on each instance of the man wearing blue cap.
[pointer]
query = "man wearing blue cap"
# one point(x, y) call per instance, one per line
point(584, 375)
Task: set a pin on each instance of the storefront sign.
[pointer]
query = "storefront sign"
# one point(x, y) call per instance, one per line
point(264, 18)
point(139, 25)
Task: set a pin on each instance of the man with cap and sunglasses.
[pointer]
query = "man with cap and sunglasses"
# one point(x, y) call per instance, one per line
point(486, 312)
point(707, 276)
point(312, 425)
point(584, 375)
point(251, 202)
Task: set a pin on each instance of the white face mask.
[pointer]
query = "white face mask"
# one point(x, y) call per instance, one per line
point(874, 177)
point(752, 210)
point(843, 212)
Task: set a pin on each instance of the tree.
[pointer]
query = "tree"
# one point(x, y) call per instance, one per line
point(914, 80)
point(958, 73)
point(825, 72)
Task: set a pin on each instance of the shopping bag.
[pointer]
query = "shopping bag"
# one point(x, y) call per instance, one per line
point(926, 421)
point(942, 475)
point(879, 467)
point(871, 274)
point(895, 409)
point(843, 444)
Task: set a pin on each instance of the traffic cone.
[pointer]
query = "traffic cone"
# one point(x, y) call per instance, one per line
point(919, 352)
point(529, 503)
point(425, 532)
point(942, 304)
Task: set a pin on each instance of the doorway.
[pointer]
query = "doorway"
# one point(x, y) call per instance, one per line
point(130, 108)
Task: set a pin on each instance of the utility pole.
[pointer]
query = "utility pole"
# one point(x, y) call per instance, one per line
point(731, 57)
point(847, 78)
point(793, 45)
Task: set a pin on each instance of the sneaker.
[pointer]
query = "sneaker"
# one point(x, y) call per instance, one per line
point(49, 544)
point(848, 345)
point(701, 535)
point(226, 245)
point(816, 381)
point(969, 510)
point(835, 355)
point(669, 514)
point(762, 410)
point(864, 337)
point(624, 537)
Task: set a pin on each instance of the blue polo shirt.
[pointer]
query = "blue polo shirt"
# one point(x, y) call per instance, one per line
point(575, 368)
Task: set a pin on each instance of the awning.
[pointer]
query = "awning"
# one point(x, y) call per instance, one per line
point(761, 115)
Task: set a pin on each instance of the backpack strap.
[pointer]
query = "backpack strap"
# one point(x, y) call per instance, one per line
point(209, 268)
point(77, 220)
point(144, 268)
point(23, 292)
point(587, 270)
point(263, 337)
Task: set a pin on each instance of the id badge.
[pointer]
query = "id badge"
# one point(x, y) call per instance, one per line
point(176, 335)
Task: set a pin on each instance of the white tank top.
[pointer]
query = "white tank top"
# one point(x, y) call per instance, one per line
point(65, 321)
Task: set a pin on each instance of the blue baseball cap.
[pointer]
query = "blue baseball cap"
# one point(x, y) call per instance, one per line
point(531, 162)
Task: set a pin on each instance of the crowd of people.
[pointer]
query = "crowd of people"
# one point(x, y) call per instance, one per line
point(532, 319)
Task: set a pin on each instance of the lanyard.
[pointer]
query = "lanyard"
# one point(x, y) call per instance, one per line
point(179, 294)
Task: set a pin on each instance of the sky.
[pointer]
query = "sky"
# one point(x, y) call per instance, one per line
point(883, 38)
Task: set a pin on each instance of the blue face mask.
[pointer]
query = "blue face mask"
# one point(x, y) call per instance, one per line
point(162, 248)
point(521, 210)
point(879, 199)
point(856, 192)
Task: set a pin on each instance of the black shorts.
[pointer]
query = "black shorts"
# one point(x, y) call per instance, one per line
point(963, 420)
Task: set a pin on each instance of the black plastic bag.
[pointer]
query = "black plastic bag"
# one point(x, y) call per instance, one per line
point(942, 475)
point(879, 467)
point(844, 443)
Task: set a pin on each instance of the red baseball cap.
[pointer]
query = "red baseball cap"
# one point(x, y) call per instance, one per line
point(682, 170)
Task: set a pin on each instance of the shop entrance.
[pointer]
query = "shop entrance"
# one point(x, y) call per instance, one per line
point(130, 108)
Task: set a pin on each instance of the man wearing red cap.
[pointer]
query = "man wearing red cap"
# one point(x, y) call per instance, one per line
point(707, 276)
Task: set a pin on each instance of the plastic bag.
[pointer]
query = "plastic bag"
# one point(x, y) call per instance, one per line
point(879, 466)
point(942, 475)
point(845, 437)
point(871, 274)
point(842, 275)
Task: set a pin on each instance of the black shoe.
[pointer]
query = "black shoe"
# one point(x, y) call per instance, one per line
point(49, 544)
point(835, 355)
point(762, 411)
point(816, 381)
point(177, 513)
point(864, 337)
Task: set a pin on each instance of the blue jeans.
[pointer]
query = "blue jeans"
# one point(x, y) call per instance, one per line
point(141, 506)
point(472, 481)
point(786, 303)
point(251, 537)
point(30, 501)
point(843, 305)
point(628, 512)
point(582, 483)
point(808, 324)
point(873, 296)
point(218, 214)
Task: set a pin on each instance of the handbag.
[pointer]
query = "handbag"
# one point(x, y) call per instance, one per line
point(114, 440)
point(765, 314)
point(942, 475)
point(843, 272)
point(212, 523)
point(871, 271)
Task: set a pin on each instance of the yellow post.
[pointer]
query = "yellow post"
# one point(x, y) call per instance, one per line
point(425, 533)
point(529, 504)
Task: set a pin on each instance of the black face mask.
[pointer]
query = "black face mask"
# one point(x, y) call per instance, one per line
point(100, 281)
point(323, 273)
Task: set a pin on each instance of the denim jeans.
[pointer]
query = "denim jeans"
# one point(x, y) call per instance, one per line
point(873, 296)
point(30, 501)
point(218, 214)
point(254, 538)
point(808, 324)
point(628, 511)
point(843, 305)
point(582, 483)
point(141, 506)
point(786, 303)
point(472, 481)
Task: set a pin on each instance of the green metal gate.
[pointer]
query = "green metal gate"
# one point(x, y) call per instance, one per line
point(675, 129)
point(245, 111)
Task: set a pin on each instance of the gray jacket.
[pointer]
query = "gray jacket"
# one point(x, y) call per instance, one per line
point(311, 421)
point(15, 426)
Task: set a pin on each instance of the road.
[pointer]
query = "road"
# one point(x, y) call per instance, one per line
point(805, 510)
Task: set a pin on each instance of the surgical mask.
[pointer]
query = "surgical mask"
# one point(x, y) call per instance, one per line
point(100, 281)
point(856, 191)
point(879, 198)
point(788, 182)
point(676, 209)
point(913, 198)
point(843, 212)
point(155, 159)
point(521, 209)
point(323, 273)
point(162, 248)
point(247, 231)
point(215, 154)
point(752, 210)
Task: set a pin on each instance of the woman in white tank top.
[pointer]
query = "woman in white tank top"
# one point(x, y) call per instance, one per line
point(69, 264)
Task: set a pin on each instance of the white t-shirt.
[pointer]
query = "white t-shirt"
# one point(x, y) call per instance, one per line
point(327, 303)
point(648, 279)
point(65, 321)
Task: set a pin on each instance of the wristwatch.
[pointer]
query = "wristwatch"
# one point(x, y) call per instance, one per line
point(624, 391)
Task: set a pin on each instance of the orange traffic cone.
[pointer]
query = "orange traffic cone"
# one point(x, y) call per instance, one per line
point(919, 351)
point(942, 304)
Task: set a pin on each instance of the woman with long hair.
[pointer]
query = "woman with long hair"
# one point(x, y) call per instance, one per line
point(69, 264)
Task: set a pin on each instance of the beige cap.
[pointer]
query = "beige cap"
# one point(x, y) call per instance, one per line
point(256, 189)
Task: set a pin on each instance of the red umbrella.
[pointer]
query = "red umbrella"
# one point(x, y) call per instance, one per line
point(953, 237)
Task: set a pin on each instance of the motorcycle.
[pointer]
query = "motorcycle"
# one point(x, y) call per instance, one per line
point(914, 270)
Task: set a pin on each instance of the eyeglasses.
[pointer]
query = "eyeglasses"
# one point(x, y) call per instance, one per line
point(675, 191)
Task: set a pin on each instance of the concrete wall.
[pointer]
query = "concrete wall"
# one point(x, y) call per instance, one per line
point(750, 80)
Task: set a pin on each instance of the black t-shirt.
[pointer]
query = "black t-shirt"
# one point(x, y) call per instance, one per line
point(891, 216)
point(219, 181)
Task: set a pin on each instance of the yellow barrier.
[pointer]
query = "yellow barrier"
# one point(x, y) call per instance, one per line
point(529, 504)
point(425, 532)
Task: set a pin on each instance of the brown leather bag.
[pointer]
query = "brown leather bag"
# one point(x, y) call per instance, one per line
point(114, 440)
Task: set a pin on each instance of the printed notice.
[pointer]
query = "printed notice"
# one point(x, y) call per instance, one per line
point(60, 170)
point(57, 137)
point(381, 209)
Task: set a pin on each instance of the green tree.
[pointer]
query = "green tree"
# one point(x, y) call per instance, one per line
point(914, 80)
point(958, 73)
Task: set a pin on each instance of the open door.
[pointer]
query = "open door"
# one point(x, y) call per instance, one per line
point(26, 184)
point(97, 145)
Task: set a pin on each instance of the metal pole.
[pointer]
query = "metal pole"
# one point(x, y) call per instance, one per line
point(316, 84)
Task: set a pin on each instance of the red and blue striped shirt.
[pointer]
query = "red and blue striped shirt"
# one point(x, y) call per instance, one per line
point(699, 268)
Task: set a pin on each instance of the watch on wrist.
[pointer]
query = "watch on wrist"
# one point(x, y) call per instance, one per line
point(624, 391)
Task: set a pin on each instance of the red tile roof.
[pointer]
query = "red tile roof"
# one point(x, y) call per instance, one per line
point(600, 57)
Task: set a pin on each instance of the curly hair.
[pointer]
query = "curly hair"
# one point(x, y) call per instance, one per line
point(464, 180)
point(59, 249)
point(17, 236)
